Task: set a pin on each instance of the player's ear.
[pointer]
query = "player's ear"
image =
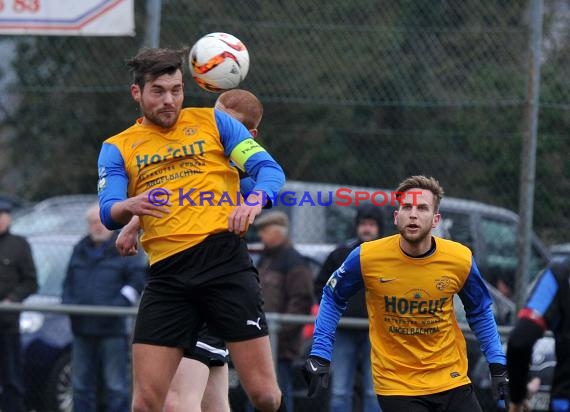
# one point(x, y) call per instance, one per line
point(136, 92)
point(253, 133)
point(436, 220)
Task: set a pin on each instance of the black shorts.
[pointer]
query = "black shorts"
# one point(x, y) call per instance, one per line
point(210, 350)
point(461, 399)
point(213, 282)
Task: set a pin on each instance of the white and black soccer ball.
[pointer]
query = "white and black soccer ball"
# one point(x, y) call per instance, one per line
point(218, 62)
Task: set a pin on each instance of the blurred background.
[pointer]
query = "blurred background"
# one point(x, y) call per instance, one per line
point(364, 93)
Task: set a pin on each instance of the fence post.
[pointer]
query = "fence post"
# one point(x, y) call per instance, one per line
point(153, 17)
point(274, 324)
point(528, 155)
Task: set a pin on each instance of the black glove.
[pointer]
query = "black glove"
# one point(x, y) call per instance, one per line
point(500, 382)
point(316, 373)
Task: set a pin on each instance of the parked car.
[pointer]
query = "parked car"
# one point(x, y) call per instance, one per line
point(18, 205)
point(52, 227)
point(55, 215)
point(560, 251)
point(46, 337)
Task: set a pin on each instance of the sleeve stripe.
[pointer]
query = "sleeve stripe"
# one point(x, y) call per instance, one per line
point(533, 316)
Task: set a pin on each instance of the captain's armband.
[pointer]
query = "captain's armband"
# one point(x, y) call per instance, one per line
point(243, 151)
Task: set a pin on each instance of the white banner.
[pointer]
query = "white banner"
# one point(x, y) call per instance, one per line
point(68, 17)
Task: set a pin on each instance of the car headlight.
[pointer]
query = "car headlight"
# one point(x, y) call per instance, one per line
point(31, 322)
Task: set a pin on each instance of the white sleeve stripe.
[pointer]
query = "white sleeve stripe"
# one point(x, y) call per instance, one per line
point(130, 293)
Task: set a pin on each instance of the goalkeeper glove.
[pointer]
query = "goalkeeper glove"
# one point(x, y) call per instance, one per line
point(500, 382)
point(316, 373)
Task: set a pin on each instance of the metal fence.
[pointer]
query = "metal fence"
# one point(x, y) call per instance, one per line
point(54, 394)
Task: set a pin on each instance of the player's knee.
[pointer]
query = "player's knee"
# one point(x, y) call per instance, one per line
point(265, 400)
point(170, 405)
point(146, 404)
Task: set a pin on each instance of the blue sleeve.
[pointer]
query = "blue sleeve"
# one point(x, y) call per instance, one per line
point(544, 293)
point(543, 299)
point(231, 131)
point(342, 284)
point(246, 184)
point(113, 183)
point(265, 171)
point(477, 303)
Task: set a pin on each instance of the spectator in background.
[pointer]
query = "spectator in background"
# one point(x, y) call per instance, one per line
point(17, 281)
point(99, 275)
point(352, 346)
point(287, 287)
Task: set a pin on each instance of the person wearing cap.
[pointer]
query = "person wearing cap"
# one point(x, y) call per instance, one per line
point(352, 346)
point(17, 281)
point(287, 287)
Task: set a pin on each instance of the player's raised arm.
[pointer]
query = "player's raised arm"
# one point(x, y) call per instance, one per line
point(250, 156)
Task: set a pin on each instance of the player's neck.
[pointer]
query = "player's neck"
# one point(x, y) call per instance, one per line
point(418, 250)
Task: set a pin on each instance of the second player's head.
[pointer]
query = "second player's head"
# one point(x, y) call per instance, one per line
point(243, 106)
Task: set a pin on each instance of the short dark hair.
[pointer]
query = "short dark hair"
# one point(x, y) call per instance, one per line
point(149, 64)
point(422, 182)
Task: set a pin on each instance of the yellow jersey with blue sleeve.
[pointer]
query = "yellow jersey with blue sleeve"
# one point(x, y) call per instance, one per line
point(417, 345)
point(187, 166)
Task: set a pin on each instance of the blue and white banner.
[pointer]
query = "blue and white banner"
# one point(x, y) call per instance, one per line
point(68, 17)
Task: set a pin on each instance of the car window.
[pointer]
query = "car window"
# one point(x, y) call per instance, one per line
point(59, 215)
point(500, 245)
point(51, 259)
point(47, 222)
point(503, 308)
point(457, 227)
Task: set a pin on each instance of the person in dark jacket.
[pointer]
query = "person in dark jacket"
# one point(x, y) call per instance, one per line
point(98, 275)
point(546, 308)
point(286, 287)
point(17, 281)
point(352, 346)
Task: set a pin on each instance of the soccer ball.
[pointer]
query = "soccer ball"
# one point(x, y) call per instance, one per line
point(218, 62)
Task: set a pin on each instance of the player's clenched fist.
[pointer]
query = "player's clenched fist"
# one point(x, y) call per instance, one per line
point(316, 373)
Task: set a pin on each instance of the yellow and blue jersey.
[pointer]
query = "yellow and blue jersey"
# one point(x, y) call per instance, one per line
point(193, 160)
point(417, 345)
